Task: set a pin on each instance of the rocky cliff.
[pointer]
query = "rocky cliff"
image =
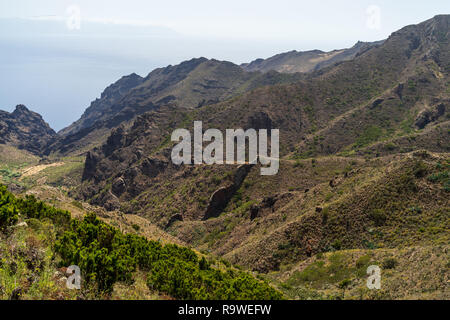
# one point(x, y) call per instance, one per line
point(25, 129)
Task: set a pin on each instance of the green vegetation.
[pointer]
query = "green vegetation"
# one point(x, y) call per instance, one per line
point(370, 134)
point(343, 275)
point(442, 177)
point(31, 208)
point(8, 175)
point(67, 174)
point(107, 256)
point(336, 270)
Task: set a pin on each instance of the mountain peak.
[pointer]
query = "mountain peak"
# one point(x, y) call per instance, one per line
point(25, 129)
point(20, 109)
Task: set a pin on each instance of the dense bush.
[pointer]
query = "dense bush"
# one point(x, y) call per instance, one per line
point(184, 280)
point(443, 177)
point(8, 212)
point(11, 207)
point(105, 256)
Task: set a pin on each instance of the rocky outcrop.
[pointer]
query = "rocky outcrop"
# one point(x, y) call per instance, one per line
point(218, 201)
point(376, 103)
point(220, 198)
point(119, 186)
point(399, 91)
point(25, 129)
point(429, 115)
point(114, 141)
point(151, 167)
point(90, 165)
point(99, 107)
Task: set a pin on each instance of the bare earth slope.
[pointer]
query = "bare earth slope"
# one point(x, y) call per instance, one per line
point(307, 61)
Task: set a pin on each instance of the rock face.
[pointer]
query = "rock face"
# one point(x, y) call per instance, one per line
point(175, 217)
point(220, 198)
point(218, 201)
point(429, 115)
point(99, 108)
point(25, 129)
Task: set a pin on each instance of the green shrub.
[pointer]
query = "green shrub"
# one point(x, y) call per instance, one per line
point(8, 212)
point(298, 164)
point(77, 204)
point(390, 147)
point(369, 135)
point(420, 169)
point(442, 177)
point(337, 245)
point(389, 263)
point(105, 256)
point(344, 284)
point(203, 264)
point(363, 261)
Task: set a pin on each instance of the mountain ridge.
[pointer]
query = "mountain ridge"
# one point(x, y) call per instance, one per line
point(363, 178)
point(307, 61)
point(190, 84)
point(104, 109)
point(379, 96)
point(25, 129)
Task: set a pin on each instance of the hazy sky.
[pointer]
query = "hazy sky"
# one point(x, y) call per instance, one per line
point(56, 66)
point(282, 19)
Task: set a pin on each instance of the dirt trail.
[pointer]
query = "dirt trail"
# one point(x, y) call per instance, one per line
point(36, 169)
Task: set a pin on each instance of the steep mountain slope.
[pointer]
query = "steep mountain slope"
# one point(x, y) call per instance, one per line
point(100, 107)
point(416, 107)
point(364, 172)
point(25, 129)
point(307, 61)
point(191, 84)
point(364, 119)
